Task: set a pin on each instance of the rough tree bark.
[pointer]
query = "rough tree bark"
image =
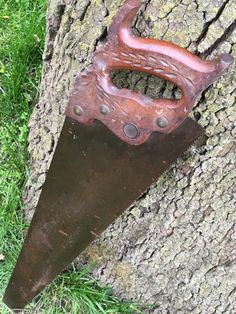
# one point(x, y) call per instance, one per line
point(176, 245)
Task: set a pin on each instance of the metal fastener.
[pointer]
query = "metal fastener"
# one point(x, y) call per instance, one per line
point(131, 130)
point(78, 110)
point(104, 109)
point(162, 122)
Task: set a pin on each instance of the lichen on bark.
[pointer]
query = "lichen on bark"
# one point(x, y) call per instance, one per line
point(176, 245)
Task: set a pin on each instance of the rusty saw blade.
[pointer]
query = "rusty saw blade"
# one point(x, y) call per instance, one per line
point(93, 177)
point(100, 168)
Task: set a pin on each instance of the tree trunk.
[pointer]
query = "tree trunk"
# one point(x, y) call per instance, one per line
point(176, 245)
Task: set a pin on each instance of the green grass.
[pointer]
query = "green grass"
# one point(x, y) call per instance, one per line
point(75, 292)
point(22, 32)
point(21, 45)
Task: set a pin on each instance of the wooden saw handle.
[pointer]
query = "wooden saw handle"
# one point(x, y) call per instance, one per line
point(128, 114)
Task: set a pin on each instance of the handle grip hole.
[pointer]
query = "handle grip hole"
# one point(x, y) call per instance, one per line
point(149, 85)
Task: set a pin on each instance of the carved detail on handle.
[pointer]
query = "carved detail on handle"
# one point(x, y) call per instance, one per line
point(128, 114)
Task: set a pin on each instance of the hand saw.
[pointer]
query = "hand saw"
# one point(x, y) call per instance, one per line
point(113, 145)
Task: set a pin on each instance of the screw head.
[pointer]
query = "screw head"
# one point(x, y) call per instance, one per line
point(104, 109)
point(162, 122)
point(78, 110)
point(131, 130)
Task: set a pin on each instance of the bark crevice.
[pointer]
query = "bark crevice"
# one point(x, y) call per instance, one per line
point(209, 23)
point(227, 33)
point(54, 23)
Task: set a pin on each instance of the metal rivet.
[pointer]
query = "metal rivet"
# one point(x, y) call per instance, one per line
point(162, 122)
point(226, 58)
point(131, 130)
point(104, 109)
point(78, 110)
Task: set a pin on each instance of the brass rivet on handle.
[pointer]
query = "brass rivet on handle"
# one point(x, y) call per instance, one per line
point(131, 130)
point(78, 110)
point(162, 122)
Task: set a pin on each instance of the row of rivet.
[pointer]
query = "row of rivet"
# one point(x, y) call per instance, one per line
point(130, 129)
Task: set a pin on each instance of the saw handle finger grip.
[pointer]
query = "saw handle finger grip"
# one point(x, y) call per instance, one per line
point(128, 114)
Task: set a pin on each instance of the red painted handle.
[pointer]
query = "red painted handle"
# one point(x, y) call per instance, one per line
point(130, 115)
